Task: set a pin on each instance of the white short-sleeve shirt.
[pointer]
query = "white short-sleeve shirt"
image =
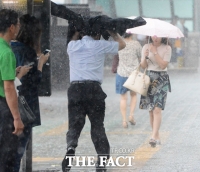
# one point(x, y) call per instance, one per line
point(164, 52)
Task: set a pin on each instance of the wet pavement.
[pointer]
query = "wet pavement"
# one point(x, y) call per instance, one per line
point(180, 131)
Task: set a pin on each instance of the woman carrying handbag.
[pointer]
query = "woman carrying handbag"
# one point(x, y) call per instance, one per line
point(155, 57)
point(129, 59)
point(25, 48)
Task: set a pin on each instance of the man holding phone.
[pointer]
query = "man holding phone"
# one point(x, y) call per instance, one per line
point(10, 121)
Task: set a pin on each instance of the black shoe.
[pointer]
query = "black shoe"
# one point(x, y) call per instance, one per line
point(100, 168)
point(65, 162)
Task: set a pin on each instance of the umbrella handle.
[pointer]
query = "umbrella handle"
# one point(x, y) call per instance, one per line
point(148, 40)
point(149, 60)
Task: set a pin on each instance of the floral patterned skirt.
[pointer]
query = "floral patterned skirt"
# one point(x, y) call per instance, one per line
point(157, 92)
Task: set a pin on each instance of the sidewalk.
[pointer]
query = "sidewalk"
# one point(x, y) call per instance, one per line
point(180, 131)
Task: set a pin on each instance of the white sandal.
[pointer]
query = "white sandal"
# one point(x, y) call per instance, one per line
point(131, 120)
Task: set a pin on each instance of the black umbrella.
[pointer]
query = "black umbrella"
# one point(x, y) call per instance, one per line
point(65, 13)
point(103, 23)
point(91, 25)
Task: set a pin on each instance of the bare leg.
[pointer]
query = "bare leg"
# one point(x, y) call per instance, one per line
point(156, 123)
point(151, 119)
point(132, 106)
point(123, 105)
point(133, 102)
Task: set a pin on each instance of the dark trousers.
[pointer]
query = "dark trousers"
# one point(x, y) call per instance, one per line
point(8, 141)
point(23, 140)
point(87, 99)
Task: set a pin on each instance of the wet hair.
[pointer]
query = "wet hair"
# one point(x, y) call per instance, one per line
point(30, 31)
point(127, 35)
point(7, 18)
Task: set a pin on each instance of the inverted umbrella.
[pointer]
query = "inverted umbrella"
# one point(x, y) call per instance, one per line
point(156, 27)
point(102, 23)
point(99, 24)
point(65, 13)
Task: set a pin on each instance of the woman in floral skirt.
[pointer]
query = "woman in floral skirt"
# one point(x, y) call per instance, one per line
point(155, 57)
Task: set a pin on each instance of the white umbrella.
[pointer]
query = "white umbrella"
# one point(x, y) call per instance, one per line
point(156, 27)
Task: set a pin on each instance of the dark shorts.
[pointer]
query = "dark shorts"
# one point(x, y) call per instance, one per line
point(120, 80)
point(8, 141)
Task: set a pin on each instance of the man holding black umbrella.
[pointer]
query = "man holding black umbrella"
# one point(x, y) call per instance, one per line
point(102, 22)
point(86, 54)
point(85, 95)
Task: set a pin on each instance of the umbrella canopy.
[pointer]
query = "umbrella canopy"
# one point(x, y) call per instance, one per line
point(99, 24)
point(102, 23)
point(65, 13)
point(156, 27)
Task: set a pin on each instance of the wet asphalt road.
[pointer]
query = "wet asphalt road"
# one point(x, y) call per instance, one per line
point(180, 131)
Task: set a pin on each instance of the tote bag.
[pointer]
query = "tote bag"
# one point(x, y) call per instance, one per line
point(138, 82)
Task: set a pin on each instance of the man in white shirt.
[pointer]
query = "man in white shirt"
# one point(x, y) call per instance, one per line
point(85, 95)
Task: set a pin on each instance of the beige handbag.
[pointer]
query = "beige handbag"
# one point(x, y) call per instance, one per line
point(138, 82)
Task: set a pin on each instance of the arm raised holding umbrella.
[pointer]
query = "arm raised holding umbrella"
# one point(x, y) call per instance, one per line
point(155, 57)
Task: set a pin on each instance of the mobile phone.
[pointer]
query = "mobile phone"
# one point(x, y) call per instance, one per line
point(30, 64)
point(46, 51)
